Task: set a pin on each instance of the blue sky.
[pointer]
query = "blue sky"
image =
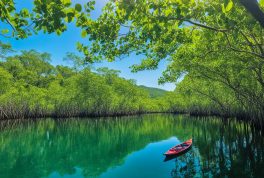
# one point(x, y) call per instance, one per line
point(58, 46)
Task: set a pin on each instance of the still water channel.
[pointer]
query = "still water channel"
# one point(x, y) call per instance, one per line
point(130, 147)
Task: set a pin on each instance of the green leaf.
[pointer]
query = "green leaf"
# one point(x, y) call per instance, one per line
point(229, 6)
point(58, 32)
point(79, 46)
point(4, 31)
point(78, 7)
point(84, 33)
point(223, 8)
point(168, 12)
point(24, 12)
point(66, 2)
point(261, 2)
point(70, 16)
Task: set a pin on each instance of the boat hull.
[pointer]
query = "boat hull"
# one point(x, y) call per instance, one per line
point(179, 149)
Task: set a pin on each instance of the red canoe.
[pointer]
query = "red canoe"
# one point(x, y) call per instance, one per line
point(178, 149)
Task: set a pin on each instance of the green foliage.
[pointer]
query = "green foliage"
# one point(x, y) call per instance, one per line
point(216, 46)
point(4, 49)
point(31, 87)
point(5, 80)
point(48, 16)
point(215, 49)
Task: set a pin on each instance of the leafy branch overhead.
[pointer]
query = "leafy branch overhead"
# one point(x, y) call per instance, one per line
point(48, 16)
point(154, 28)
point(157, 29)
point(214, 48)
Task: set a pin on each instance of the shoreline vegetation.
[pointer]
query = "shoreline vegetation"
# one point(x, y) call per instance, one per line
point(214, 56)
point(30, 87)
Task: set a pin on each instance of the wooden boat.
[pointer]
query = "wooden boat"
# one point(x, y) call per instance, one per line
point(179, 149)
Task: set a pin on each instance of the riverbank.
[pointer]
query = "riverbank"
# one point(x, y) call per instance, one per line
point(31, 87)
point(36, 116)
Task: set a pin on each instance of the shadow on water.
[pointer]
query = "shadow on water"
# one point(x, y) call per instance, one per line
point(120, 147)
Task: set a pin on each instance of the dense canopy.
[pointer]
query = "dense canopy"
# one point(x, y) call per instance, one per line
point(215, 48)
point(31, 87)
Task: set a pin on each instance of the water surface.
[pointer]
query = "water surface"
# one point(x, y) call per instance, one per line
point(130, 147)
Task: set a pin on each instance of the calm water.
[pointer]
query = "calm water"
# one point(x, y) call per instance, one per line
point(130, 147)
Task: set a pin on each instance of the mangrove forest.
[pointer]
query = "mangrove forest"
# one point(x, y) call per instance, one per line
point(214, 51)
point(103, 88)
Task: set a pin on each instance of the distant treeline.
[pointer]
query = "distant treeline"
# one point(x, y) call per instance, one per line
point(30, 87)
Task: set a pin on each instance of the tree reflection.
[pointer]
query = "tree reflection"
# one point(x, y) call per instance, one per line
point(229, 149)
point(38, 149)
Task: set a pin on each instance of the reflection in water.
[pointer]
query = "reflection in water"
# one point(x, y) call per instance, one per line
point(130, 147)
point(170, 157)
point(188, 165)
point(222, 150)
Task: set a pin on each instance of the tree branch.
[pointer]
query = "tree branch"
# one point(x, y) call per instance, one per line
point(242, 51)
point(205, 26)
point(257, 43)
point(248, 41)
point(194, 23)
point(12, 26)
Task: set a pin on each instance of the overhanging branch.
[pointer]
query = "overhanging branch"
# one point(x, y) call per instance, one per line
point(242, 51)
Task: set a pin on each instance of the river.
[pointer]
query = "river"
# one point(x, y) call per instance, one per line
point(130, 147)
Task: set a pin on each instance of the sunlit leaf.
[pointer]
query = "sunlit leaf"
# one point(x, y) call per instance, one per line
point(84, 33)
point(229, 6)
point(4, 31)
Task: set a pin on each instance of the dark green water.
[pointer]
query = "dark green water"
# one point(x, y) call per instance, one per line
point(130, 147)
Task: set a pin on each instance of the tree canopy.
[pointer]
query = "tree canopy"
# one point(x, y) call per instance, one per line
point(215, 49)
point(48, 16)
point(216, 46)
point(31, 87)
